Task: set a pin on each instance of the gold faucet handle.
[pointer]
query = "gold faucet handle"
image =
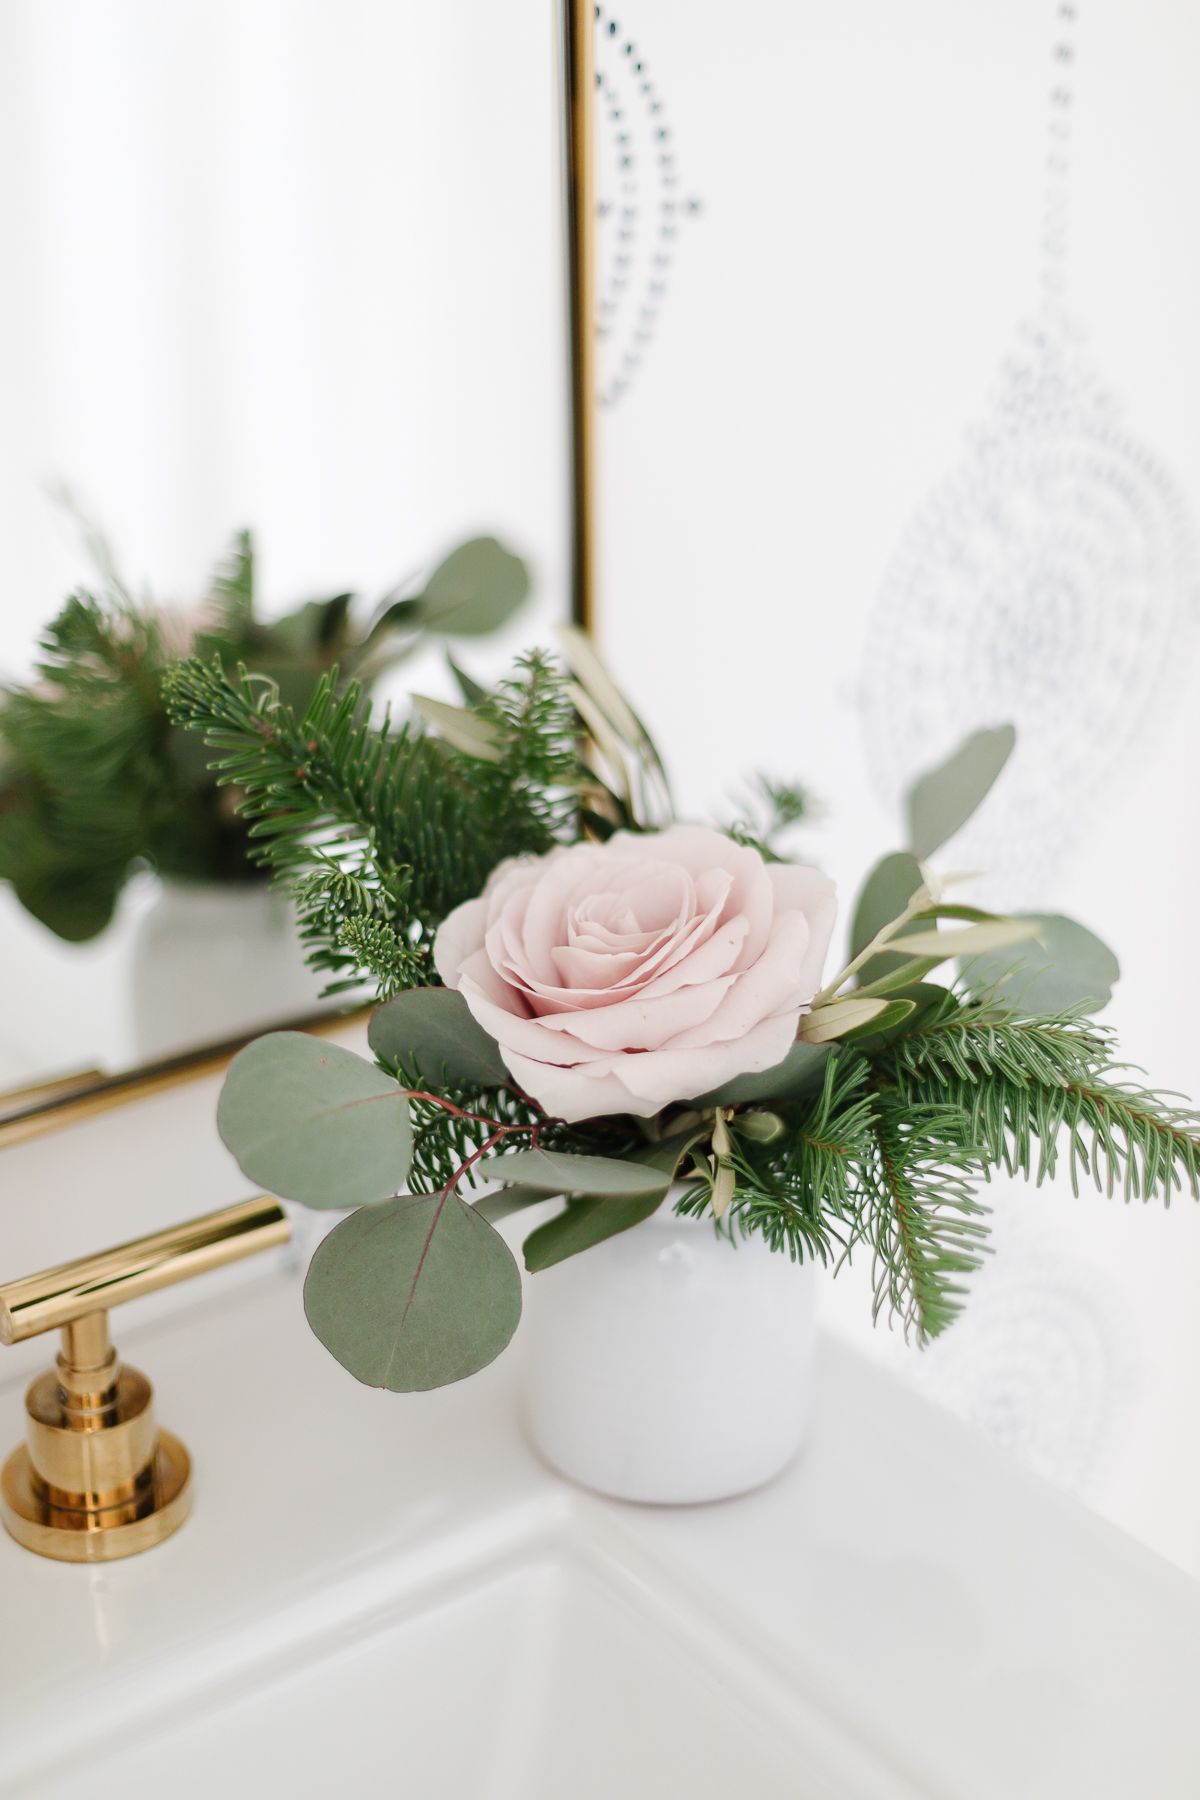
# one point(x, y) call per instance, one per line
point(96, 1479)
point(93, 1284)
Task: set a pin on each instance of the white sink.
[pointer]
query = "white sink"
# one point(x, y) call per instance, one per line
point(548, 1677)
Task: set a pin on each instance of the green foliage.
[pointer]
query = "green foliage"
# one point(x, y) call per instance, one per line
point(888, 889)
point(916, 1208)
point(890, 1152)
point(799, 1072)
point(1066, 965)
point(598, 1177)
point(94, 778)
point(476, 590)
point(381, 832)
point(941, 801)
point(414, 1294)
point(432, 1029)
point(871, 1137)
point(797, 1189)
point(1024, 1087)
point(584, 1223)
point(314, 1123)
point(774, 809)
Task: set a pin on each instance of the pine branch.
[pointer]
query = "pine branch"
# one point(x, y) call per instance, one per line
point(380, 832)
point(972, 1039)
point(918, 1211)
point(775, 807)
point(1023, 1086)
point(233, 590)
point(798, 1190)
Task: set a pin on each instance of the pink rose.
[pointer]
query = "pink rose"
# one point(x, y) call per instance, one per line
point(621, 977)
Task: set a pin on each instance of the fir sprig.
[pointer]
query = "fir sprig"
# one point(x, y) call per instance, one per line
point(380, 831)
point(798, 1190)
point(891, 1152)
point(918, 1210)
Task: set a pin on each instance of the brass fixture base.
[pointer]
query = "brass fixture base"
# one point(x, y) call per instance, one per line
point(95, 1478)
point(137, 1521)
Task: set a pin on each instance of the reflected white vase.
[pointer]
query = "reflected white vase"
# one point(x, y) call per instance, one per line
point(211, 960)
point(669, 1364)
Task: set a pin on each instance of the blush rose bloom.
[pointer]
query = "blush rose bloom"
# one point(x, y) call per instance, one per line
point(624, 976)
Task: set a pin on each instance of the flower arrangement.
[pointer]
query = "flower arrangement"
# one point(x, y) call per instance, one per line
point(95, 780)
point(586, 999)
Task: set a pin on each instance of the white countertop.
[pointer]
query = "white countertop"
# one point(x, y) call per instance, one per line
point(905, 1609)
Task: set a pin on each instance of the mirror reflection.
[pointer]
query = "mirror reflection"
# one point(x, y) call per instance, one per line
point(286, 386)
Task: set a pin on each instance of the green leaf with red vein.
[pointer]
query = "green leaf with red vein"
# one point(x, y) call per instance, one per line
point(315, 1123)
point(414, 1294)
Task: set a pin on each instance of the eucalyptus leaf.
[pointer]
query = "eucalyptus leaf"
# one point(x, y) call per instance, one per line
point(885, 894)
point(556, 1172)
point(415, 1294)
point(1066, 966)
point(800, 1072)
point(476, 590)
point(584, 1223)
point(399, 615)
point(508, 1200)
point(433, 1030)
point(464, 730)
point(941, 801)
point(314, 1123)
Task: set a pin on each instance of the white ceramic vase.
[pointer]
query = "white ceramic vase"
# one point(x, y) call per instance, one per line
point(211, 960)
point(669, 1364)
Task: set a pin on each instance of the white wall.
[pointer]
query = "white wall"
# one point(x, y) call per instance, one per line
point(830, 356)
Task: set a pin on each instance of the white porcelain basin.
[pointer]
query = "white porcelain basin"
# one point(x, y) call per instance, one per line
point(540, 1680)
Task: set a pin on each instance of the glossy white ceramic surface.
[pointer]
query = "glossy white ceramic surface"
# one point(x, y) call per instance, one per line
point(671, 1363)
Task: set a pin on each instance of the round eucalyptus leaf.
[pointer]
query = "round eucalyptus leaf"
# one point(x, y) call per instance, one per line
point(885, 894)
point(555, 1172)
point(1065, 965)
point(476, 590)
point(503, 1202)
point(315, 1123)
point(433, 1030)
point(941, 801)
point(414, 1294)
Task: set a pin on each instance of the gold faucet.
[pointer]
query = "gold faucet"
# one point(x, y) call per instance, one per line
point(96, 1479)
